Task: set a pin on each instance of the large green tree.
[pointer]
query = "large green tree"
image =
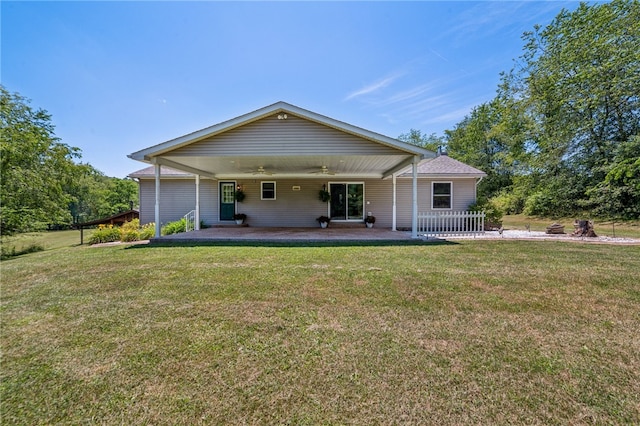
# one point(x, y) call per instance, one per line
point(41, 185)
point(35, 167)
point(96, 196)
point(492, 138)
point(559, 137)
point(579, 81)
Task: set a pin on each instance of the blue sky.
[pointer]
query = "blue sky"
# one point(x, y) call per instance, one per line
point(118, 77)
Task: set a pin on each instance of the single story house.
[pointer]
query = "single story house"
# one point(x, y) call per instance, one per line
point(281, 157)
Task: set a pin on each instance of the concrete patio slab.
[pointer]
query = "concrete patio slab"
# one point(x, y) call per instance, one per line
point(259, 234)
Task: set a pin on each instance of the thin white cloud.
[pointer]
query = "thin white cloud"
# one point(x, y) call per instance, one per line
point(436, 53)
point(374, 87)
point(408, 94)
point(450, 116)
point(502, 17)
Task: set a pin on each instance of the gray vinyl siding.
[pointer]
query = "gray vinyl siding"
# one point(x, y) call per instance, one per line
point(289, 209)
point(177, 198)
point(294, 208)
point(463, 195)
point(270, 136)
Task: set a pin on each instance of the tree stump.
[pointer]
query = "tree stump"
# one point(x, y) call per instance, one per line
point(583, 228)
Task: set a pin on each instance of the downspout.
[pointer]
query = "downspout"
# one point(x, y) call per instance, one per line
point(157, 211)
point(475, 195)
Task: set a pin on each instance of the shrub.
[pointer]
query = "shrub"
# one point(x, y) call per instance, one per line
point(129, 235)
point(130, 231)
point(493, 218)
point(148, 231)
point(105, 234)
point(509, 202)
point(174, 227)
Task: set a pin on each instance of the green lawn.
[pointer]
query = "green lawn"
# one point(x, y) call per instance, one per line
point(48, 240)
point(480, 332)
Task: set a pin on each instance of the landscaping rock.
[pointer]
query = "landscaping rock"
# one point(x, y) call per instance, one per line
point(555, 228)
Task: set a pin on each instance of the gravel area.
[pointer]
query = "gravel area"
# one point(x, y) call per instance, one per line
point(537, 235)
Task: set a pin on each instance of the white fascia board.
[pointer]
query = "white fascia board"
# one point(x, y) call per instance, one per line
point(444, 175)
point(357, 131)
point(178, 166)
point(159, 149)
point(146, 154)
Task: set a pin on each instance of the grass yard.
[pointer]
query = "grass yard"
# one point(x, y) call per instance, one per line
point(480, 332)
point(48, 240)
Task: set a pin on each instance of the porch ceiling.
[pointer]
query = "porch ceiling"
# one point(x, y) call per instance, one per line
point(280, 166)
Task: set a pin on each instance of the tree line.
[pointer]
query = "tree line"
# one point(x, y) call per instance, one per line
point(562, 135)
point(41, 184)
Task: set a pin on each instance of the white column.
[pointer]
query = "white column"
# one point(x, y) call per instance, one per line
point(393, 208)
point(197, 224)
point(157, 212)
point(414, 210)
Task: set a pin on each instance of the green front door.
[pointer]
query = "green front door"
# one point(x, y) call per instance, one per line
point(227, 200)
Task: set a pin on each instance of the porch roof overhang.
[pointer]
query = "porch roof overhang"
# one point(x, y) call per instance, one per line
point(308, 161)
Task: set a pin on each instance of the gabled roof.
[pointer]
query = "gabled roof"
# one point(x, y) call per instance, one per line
point(276, 108)
point(444, 166)
point(149, 172)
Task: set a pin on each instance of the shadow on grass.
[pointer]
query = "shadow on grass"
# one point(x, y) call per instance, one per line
point(253, 243)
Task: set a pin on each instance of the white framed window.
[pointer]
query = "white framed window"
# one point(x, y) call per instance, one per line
point(441, 195)
point(268, 190)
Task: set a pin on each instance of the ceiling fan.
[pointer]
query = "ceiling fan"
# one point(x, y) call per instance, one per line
point(324, 170)
point(261, 171)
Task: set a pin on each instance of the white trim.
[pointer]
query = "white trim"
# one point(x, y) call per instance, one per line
point(182, 167)
point(275, 193)
point(450, 195)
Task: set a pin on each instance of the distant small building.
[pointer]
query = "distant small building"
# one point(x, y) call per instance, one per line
point(116, 219)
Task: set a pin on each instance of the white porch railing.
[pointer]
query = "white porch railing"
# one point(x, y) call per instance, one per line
point(190, 221)
point(451, 223)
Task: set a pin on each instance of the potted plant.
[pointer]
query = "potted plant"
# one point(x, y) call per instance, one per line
point(324, 221)
point(239, 218)
point(324, 195)
point(239, 195)
point(369, 221)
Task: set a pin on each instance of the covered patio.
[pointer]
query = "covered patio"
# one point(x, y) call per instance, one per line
point(282, 234)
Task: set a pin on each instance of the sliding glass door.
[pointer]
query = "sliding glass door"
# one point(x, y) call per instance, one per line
point(347, 201)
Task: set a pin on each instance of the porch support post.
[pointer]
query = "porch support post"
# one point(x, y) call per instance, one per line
point(393, 208)
point(414, 210)
point(197, 224)
point(157, 212)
